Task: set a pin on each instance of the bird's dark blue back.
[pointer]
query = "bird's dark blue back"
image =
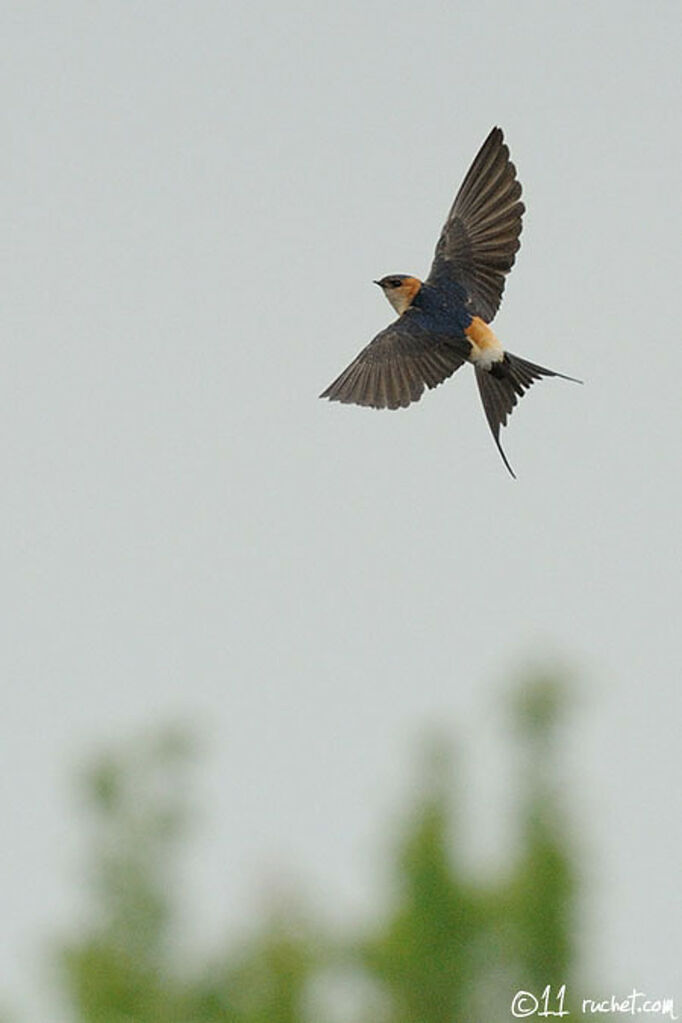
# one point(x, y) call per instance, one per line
point(441, 307)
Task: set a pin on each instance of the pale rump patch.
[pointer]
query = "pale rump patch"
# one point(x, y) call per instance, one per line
point(485, 345)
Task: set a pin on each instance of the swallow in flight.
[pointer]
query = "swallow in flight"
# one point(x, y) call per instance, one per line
point(444, 321)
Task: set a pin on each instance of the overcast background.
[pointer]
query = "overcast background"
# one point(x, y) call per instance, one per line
point(195, 200)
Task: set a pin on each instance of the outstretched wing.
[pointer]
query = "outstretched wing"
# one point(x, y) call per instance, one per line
point(394, 368)
point(480, 239)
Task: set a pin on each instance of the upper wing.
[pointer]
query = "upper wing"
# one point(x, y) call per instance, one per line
point(480, 239)
point(394, 368)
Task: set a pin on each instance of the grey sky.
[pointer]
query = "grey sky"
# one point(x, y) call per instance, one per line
point(195, 200)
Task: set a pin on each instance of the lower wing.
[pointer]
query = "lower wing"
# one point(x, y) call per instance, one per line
point(394, 368)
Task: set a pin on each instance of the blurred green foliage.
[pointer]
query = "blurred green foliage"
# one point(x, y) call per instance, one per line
point(445, 949)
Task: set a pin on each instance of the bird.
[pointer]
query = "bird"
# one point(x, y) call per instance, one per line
point(444, 321)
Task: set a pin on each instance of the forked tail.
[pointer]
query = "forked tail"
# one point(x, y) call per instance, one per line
point(502, 385)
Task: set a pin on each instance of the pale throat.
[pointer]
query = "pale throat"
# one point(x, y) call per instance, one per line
point(402, 298)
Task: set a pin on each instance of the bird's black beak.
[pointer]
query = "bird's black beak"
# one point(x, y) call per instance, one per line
point(377, 282)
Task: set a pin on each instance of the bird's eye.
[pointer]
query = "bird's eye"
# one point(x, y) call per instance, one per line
point(394, 282)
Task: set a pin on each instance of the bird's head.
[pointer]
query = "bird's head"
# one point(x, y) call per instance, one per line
point(400, 290)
